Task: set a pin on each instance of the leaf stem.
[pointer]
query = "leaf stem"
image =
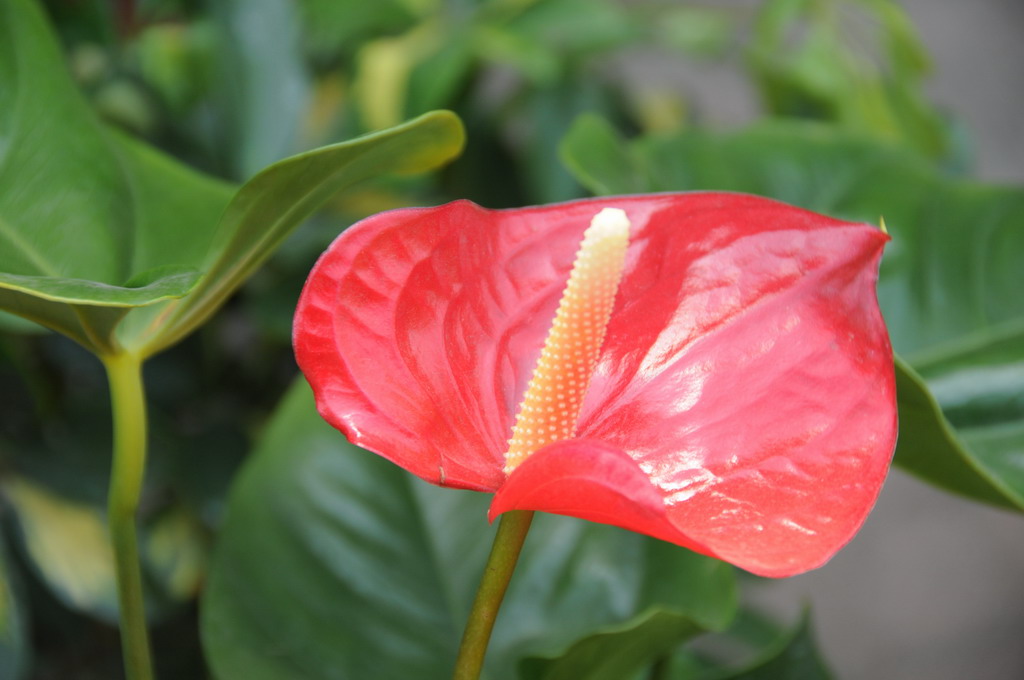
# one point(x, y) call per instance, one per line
point(508, 542)
point(128, 402)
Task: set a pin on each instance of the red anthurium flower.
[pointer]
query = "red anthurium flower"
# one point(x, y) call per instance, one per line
point(718, 375)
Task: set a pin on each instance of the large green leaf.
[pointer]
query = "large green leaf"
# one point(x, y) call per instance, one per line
point(118, 246)
point(69, 256)
point(273, 203)
point(334, 563)
point(950, 281)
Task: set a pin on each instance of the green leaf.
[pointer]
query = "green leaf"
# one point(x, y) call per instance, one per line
point(574, 28)
point(172, 284)
point(89, 311)
point(978, 379)
point(857, 64)
point(67, 543)
point(333, 27)
point(120, 247)
point(697, 31)
point(1000, 450)
point(273, 203)
point(793, 657)
point(17, 324)
point(74, 232)
point(262, 80)
point(949, 286)
point(333, 562)
point(617, 652)
point(937, 453)
point(600, 159)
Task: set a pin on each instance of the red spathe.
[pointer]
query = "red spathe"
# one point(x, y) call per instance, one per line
point(743, 403)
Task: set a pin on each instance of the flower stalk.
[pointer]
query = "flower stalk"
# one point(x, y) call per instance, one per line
point(128, 402)
point(508, 543)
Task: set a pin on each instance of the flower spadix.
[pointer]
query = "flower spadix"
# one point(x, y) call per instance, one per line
point(709, 369)
point(555, 394)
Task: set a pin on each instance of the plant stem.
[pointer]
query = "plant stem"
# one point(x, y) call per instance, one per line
point(128, 402)
point(497, 573)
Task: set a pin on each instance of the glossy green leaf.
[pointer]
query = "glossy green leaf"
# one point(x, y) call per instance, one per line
point(118, 246)
point(940, 456)
point(273, 203)
point(335, 563)
point(950, 281)
point(57, 303)
point(978, 379)
point(73, 228)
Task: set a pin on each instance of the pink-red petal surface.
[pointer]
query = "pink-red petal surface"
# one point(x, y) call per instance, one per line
point(746, 377)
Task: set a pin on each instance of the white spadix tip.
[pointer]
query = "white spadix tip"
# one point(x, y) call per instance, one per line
point(608, 222)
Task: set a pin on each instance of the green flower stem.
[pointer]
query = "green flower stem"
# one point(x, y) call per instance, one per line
point(128, 401)
point(508, 542)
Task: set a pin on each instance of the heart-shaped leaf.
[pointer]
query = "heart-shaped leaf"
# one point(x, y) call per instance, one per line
point(120, 247)
point(334, 563)
point(69, 216)
point(949, 286)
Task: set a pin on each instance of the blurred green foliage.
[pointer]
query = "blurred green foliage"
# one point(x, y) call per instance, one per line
point(227, 88)
point(857, 63)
